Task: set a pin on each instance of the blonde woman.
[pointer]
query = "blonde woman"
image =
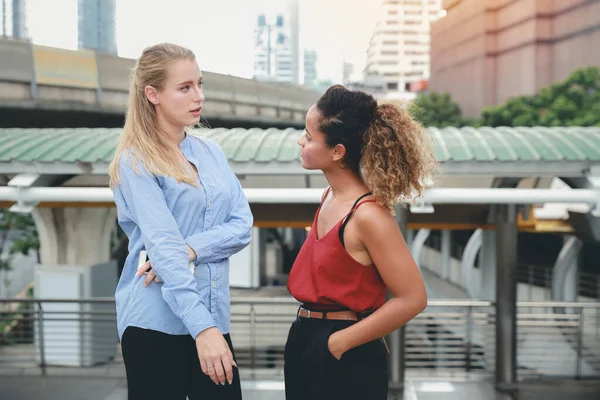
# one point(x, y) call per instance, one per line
point(371, 156)
point(178, 200)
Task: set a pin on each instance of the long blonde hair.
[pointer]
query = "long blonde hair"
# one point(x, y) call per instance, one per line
point(141, 132)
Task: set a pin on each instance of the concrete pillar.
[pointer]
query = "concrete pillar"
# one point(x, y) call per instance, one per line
point(487, 265)
point(75, 236)
point(259, 257)
point(565, 272)
point(409, 235)
point(467, 263)
point(506, 304)
point(418, 243)
point(445, 253)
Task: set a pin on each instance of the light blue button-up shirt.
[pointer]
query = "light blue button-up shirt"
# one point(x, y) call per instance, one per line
point(160, 215)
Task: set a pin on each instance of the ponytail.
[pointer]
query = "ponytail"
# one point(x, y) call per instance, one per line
point(397, 156)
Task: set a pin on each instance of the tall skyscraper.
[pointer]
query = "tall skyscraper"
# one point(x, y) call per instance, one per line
point(399, 47)
point(97, 25)
point(276, 55)
point(14, 19)
point(310, 68)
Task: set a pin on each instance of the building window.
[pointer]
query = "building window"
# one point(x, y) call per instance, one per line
point(390, 42)
point(392, 86)
point(389, 53)
point(391, 22)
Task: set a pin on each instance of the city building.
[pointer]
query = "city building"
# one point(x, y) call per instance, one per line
point(97, 25)
point(276, 54)
point(14, 19)
point(399, 47)
point(484, 52)
point(310, 68)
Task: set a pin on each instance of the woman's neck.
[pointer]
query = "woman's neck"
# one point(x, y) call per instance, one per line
point(345, 185)
point(174, 134)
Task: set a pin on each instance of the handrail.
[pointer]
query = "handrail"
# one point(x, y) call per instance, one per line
point(292, 301)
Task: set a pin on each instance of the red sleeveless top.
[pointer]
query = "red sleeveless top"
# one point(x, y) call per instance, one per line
point(325, 274)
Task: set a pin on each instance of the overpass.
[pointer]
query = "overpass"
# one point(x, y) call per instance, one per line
point(473, 158)
point(37, 166)
point(44, 87)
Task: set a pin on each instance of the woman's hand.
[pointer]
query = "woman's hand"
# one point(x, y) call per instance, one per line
point(215, 357)
point(191, 253)
point(336, 345)
point(151, 276)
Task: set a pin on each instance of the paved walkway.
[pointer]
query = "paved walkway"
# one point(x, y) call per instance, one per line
point(85, 388)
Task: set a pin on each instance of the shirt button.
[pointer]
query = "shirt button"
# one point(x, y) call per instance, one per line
point(213, 284)
point(209, 203)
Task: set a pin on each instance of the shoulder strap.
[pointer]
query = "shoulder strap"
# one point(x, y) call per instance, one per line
point(357, 204)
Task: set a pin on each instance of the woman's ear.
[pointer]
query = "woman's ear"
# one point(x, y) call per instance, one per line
point(339, 151)
point(152, 95)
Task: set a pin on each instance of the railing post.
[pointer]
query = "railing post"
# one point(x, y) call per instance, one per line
point(253, 338)
point(398, 337)
point(445, 253)
point(41, 338)
point(580, 327)
point(469, 339)
point(506, 297)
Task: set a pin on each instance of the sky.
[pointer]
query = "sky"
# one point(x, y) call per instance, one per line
point(220, 32)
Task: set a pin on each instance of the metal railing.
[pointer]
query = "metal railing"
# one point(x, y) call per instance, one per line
point(450, 340)
point(588, 285)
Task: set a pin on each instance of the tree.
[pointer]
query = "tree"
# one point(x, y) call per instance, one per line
point(438, 110)
point(19, 231)
point(573, 102)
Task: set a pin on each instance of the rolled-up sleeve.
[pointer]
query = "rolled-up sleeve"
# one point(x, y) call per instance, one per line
point(144, 202)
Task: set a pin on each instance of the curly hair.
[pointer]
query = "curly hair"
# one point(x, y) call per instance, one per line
point(385, 146)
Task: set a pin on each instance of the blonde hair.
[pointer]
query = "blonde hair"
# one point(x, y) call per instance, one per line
point(141, 132)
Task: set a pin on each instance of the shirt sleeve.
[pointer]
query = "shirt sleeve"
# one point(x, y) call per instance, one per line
point(224, 240)
point(147, 208)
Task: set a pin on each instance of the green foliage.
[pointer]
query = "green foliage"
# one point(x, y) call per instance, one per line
point(437, 110)
point(20, 229)
point(573, 102)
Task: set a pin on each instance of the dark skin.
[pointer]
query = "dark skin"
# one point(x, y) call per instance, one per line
point(372, 237)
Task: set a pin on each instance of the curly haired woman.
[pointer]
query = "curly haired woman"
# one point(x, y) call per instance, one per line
point(372, 155)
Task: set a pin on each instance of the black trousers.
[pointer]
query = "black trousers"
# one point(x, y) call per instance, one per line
point(312, 372)
point(166, 367)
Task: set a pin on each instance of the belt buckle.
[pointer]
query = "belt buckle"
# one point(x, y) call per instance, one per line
point(307, 313)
